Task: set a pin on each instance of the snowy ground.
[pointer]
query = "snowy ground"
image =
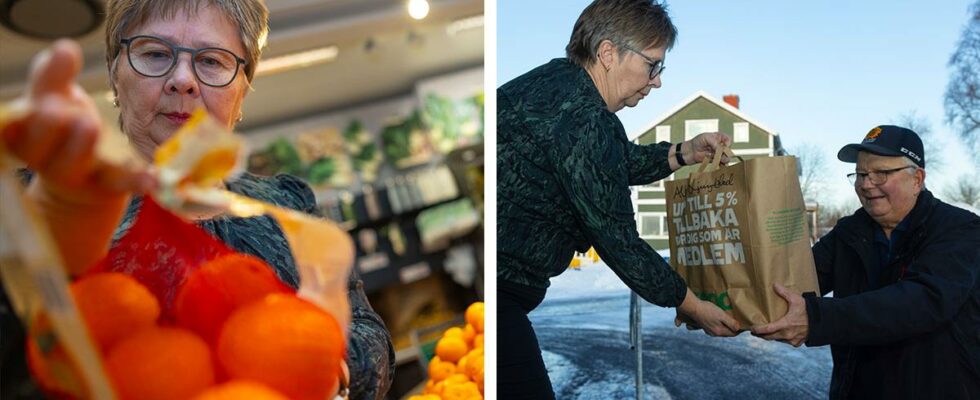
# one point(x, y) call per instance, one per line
point(583, 328)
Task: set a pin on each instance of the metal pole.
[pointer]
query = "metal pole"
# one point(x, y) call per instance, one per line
point(636, 340)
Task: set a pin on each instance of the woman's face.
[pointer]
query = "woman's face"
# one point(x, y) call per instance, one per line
point(153, 108)
point(631, 76)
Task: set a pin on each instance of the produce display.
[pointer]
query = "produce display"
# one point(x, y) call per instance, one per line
point(456, 371)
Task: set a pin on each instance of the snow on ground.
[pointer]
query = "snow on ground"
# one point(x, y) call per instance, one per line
point(583, 329)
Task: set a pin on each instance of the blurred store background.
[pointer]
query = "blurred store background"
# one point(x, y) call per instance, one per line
point(378, 104)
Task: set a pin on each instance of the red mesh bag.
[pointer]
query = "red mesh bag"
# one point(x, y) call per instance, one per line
point(161, 250)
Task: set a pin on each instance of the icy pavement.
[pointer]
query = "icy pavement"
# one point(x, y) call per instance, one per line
point(583, 329)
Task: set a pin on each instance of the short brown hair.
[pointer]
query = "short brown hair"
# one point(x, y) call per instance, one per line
point(251, 16)
point(635, 23)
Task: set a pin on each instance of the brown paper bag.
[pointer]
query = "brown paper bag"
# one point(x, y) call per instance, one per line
point(735, 230)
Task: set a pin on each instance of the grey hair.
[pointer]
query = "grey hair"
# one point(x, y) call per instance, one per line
point(250, 16)
point(635, 23)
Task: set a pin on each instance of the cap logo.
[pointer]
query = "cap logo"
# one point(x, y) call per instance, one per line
point(911, 154)
point(871, 136)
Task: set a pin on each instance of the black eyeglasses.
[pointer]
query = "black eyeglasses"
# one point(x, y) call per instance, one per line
point(877, 177)
point(154, 57)
point(656, 66)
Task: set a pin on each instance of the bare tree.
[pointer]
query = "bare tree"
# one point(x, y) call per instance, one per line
point(962, 98)
point(966, 190)
point(813, 169)
point(933, 143)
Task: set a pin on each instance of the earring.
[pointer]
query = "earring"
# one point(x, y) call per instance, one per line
point(240, 116)
point(115, 102)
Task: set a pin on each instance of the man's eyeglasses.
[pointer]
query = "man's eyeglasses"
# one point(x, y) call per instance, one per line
point(876, 177)
point(656, 66)
point(153, 57)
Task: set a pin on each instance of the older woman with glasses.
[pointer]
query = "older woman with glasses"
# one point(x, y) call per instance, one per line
point(564, 170)
point(165, 59)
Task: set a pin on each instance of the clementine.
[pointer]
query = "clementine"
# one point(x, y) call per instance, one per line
point(113, 306)
point(160, 363)
point(240, 390)
point(220, 286)
point(474, 316)
point(286, 343)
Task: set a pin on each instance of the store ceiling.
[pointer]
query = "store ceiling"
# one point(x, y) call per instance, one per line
point(382, 53)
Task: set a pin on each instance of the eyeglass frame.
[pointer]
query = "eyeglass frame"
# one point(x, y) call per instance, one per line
point(653, 63)
point(239, 62)
point(853, 176)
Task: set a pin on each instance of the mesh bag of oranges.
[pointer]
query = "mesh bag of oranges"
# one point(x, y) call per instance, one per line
point(171, 312)
point(456, 370)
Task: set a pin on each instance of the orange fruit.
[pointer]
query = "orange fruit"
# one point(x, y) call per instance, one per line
point(469, 333)
point(286, 343)
point(53, 369)
point(240, 390)
point(478, 341)
point(456, 379)
point(461, 391)
point(439, 370)
point(438, 388)
point(453, 332)
point(220, 286)
point(424, 397)
point(479, 382)
point(473, 366)
point(474, 316)
point(451, 348)
point(160, 363)
point(114, 305)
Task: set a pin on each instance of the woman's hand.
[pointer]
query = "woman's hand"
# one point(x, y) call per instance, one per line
point(704, 146)
point(707, 316)
point(81, 197)
point(57, 136)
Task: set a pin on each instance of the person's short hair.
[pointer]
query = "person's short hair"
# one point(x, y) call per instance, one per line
point(635, 23)
point(250, 16)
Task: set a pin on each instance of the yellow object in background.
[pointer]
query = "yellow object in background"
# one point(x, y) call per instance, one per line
point(456, 372)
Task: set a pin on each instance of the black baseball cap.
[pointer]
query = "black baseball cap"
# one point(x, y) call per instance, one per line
point(887, 140)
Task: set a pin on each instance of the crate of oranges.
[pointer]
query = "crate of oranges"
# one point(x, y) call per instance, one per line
point(456, 371)
point(171, 312)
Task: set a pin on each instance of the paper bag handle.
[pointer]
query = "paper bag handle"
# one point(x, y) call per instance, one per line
point(715, 162)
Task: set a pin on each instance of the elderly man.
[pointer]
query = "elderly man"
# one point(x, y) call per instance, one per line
point(904, 321)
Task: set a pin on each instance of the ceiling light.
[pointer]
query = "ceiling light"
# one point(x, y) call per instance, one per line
point(418, 9)
point(464, 24)
point(50, 19)
point(297, 60)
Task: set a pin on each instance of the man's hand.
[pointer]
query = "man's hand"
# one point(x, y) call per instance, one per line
point(794, 327)
point(707, 316)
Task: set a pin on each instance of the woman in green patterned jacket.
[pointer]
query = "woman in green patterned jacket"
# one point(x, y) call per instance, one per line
point(564, 167)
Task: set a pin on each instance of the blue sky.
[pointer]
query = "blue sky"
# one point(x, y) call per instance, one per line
point(820, 73)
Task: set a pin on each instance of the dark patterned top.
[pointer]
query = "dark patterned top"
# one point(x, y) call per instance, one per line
point(564, 167)
point(370, 354)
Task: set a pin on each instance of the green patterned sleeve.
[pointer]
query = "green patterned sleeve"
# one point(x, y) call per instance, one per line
point(593, 173)
point(647, 163)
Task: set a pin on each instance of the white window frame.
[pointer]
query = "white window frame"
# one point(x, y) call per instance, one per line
point(662, 234)
point(663, 133)
point(740, 131)
point(694, 127)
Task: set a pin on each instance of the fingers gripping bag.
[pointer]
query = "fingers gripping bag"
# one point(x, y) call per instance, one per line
point(230, 306)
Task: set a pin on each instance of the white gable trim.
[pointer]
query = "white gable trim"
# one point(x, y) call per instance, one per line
point(700, 93)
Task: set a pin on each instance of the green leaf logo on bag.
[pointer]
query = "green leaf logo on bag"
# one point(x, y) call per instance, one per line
point(721, 299)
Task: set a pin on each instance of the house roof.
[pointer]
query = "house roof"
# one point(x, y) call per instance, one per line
point(682, 104)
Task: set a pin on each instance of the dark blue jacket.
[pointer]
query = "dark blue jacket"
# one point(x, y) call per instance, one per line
point(917, 335)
